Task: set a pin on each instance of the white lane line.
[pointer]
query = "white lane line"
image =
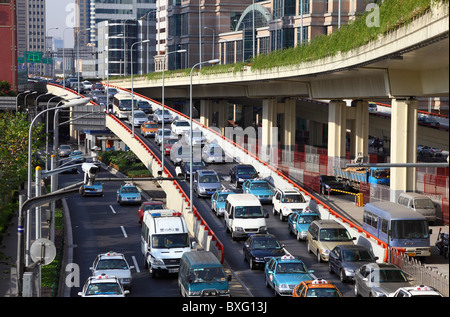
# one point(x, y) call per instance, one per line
point(124, 232)
point(112, 209)
point(135, 264)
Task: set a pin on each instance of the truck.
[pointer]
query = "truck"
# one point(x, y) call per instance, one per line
point(353, 176)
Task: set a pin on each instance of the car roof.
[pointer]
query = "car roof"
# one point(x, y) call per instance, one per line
point(319, 284)
point(328, 223)
point(206, 172)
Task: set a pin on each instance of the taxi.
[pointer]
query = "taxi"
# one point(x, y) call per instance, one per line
point(316, 288)
point(95, 189)
point(284, 273)
point(148, 129)
point(416, 291)
point(260, 188)
point(218, 200)
point(113, 264)
point(298, 223)
point(103, 286)
point(129, 194)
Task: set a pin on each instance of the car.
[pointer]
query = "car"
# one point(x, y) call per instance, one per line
point(103, 286)
point(239, 173)
point(64, 150)
point(144, 106)
point(299, 221)
point(112, 92)
point(158, 135)
point(149, 205)
point(168, 143)
point(101, 100)
point(330, 184)
point(260, 188)
point(113, 264)
point(416, 291)
point(158, 116)
point(69, 162)
point(94, 94)
point(345, 260)
point(180, 127)
point(185, 169)
point(148, 129)
point(206, 182)
point(139, 118)
point(95, 189)
point(218, 200)
point(372, 107)
point(129, 194)
point(259, 248)
point(316, 288)
point(87, 85)
point(379, 280)
point(198, 138)
point(288, 200)
point(213, 153)
point(283, 273)
point(98, 86)
point(77, 156)
point(428, 121)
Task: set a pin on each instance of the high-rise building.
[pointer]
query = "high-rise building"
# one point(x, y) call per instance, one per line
point(8, 55)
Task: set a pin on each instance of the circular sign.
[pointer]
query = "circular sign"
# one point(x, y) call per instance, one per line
point(43, 251)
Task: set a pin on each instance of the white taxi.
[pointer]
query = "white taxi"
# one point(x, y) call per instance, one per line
point(103, 286)
point(113, 264)
point(416, 291)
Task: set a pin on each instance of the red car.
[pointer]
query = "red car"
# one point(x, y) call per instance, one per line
point(149, 205)
point(169, 142)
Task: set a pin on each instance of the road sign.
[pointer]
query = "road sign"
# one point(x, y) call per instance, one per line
point(43, 251)
point(33, 57)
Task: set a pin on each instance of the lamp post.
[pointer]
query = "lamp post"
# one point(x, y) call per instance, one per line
point(46, 130)
point(213, 39)
point(132, 90)
point(213, 61)
point(162, 101)
point(17, 98)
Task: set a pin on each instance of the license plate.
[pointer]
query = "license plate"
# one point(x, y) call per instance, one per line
point(173, 270)
point(411, 254)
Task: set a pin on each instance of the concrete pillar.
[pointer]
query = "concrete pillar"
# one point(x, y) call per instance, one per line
point(403, 145)
point(337, 126)
point(288, 128)
point(269, 132)
point(206, 112)
point(359, 142)
point(315, 133)
point(221, 107)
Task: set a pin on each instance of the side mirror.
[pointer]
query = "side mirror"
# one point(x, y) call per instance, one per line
point(229, 277)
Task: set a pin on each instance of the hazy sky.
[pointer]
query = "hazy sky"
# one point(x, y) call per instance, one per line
point(61, 14)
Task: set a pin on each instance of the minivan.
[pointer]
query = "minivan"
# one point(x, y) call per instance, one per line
point(420, 203)
point(324, 235)
point(202, 275)
point(244, 215)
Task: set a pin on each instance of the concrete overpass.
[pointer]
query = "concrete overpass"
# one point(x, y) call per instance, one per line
point(411, 61)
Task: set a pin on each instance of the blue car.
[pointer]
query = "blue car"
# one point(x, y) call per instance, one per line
point(218, 200)
point(260, 188)
point(95, 189)
point(283, 273)
point(129, 194)
point(77, 157)
point(299, 221)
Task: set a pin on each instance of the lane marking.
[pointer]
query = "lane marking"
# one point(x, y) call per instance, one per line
point(124, 232)
point(112, 209)
point(136, 266)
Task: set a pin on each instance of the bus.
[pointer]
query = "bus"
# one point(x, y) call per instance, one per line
point(399, 227)
point(122, 105)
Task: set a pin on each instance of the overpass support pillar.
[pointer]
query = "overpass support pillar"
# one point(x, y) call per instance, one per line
point(206, 112)
point(288, 128)
point(269, 132)
point(359, 129)
point(403, 145)
point(337, 126)
point(221, 109)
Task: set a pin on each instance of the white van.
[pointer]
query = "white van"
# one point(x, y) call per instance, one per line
point(244, 215)
point(420, 203)
point(164, 239)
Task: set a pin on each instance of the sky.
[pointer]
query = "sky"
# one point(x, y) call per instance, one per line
point(60, 14)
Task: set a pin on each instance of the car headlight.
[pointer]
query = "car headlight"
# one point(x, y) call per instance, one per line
point(238, 229)
point(241, 179)
point(221, 210)
point(325, 251)
point(283, 286)
point(158, 262)
point(194, 293)
point(262, 228)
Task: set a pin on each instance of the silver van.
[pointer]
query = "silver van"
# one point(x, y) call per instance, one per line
point(180, 152)
point(420, 203)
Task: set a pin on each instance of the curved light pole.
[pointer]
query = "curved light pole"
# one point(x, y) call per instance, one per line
point(17, 98)
point(213, 61)
point(132, 90)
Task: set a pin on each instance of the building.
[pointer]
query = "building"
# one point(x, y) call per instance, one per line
point(8, 53)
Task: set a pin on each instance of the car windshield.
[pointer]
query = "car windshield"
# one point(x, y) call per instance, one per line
point(170, 141)
point(167, 241)
point(209, 274)
point(130, 190)
point(209, 179)
point(307, 218)
point(103, 289)
point(248, 212)
point(409, 229)
point(166, 132)
point(243, 170)
point(151, 125)
point(182, 124)
point(112, 264)
point(154, 207)
point(195, 164)
point(381, 173)
point(222, 197)
point(140, 115)
point(143, 103)
point(334, 234)
point(65, 147)
point(293, 198)
point(357, 256)
point(388, 276)
point(423, 204)
point(76, 153)
point(127, 103)
point(291, 268)
point(265, 243)
point(322, 292)
point(261, 185)
point(216, 150)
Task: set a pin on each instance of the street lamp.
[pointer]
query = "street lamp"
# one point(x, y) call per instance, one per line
point(132, 90)
point(213, 61)
point(17, 98)
point(213, 39)
point(162, 101)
